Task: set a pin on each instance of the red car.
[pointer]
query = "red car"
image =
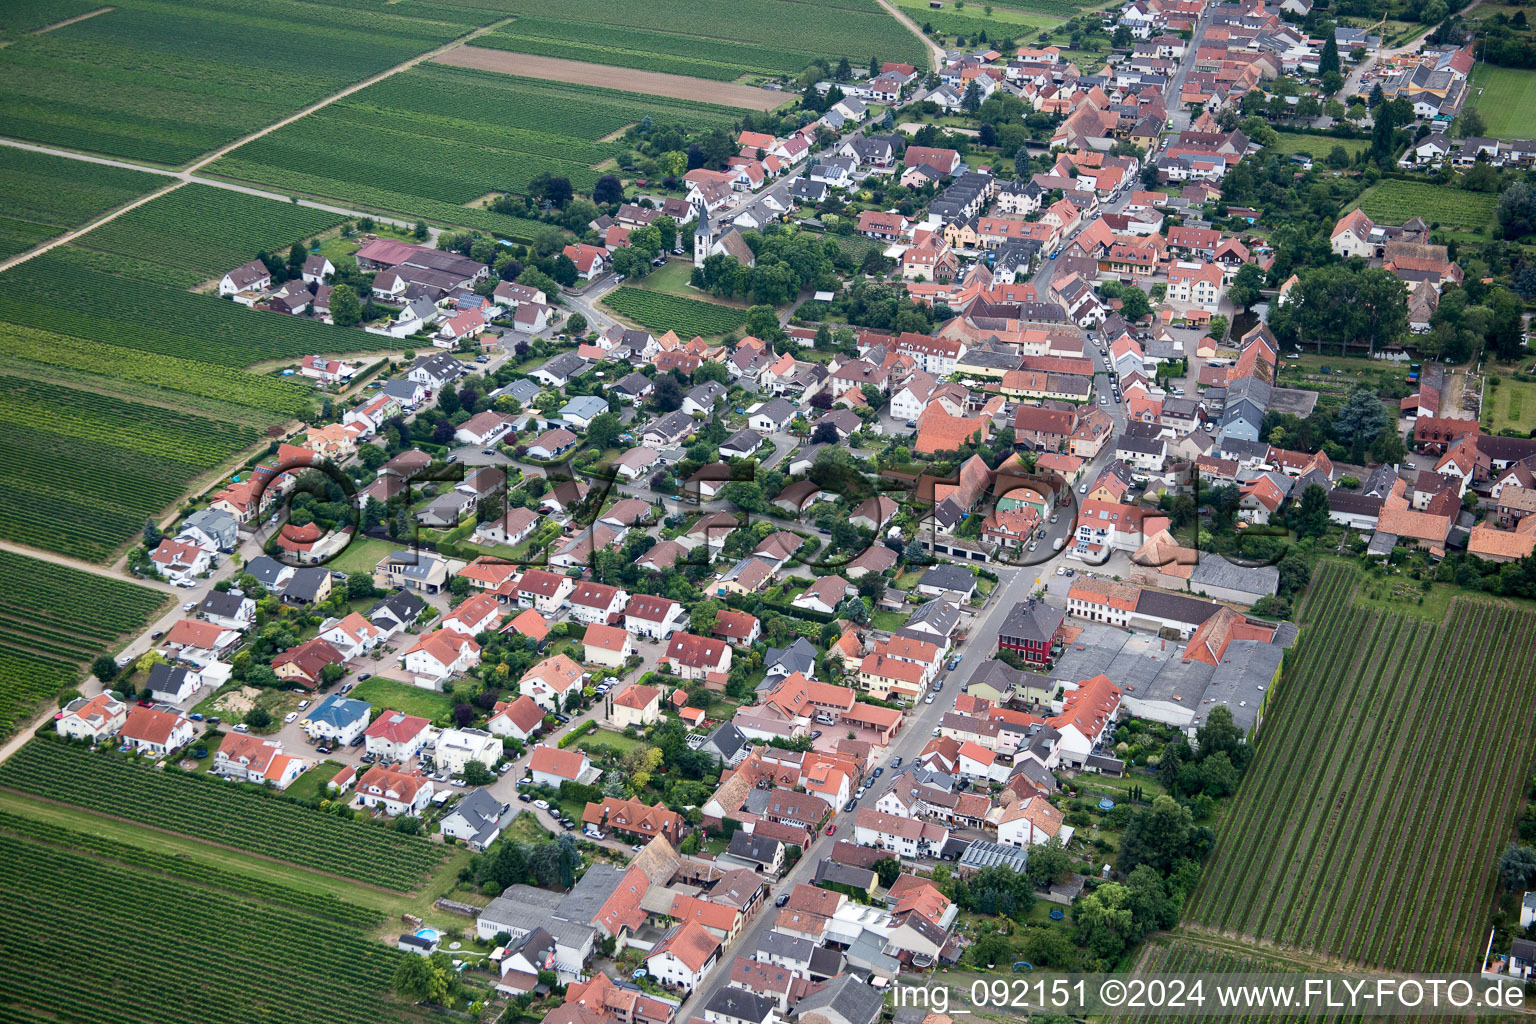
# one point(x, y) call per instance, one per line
point(831, 830)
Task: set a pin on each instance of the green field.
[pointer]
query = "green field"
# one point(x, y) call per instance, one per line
point(1176, 953)
point(47, 195)
point(199, 232)
point(1512, 404)
point(719, 39)
point(18, 17)
point(126, 386)
point(662, 312)
point(166, 82)
point(213, 811)
point(397, 696)
point(972, 20)
point(1393, 202)
point(1340, 842)
point(1507, 102)
point(426, 142)
point(49, 629)
point(1315, 146)
point(216, 940)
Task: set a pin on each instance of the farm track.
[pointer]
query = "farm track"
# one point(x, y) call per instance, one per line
point(607, 76)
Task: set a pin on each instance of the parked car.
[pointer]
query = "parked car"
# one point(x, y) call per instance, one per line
point(239, 726)
point(364, 677)
point(290, 717)
point(542, 805)
point(526, 798)
point(928, 699)
point(895, 762)
point(954, 663)
point(322, 750)
point(303, 704)
point(188, 606)
point(851, 804)
point(196, 716)
point(783, 899)
point(878, 771)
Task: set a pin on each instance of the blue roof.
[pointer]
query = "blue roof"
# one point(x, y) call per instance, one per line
point(340, 711)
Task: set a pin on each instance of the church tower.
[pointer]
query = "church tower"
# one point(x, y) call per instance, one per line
point(705, 233)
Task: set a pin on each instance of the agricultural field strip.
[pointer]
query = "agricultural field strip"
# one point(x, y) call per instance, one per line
point(1303, 800)
point(45, 635)
point(663, 312)
point(1478, 702)
point(1509, 784)
point(208, 812)
point(1428, 790)
point(1407, 777)
point(167, 83)
point(1393, 201)
point(191, 870)
point(1213, 899)
point(226, 385)
point(1323, 813)
point(47, 195)
point(1241, 836)
point(45, 888)
point(1336, 874)
point(207, 229)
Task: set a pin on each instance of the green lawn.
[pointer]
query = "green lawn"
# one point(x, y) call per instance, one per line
point(398, 696)
point(608, 738)
point(361, 556)
point(1513, 405)
point(888, 621)
point(672, 279)
point(1315, 146)
point(311, 785)
point(525, 828)
point(1506, 99)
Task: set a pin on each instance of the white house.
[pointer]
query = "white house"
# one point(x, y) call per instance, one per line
point(637, 705)
point(1029, 822)
point(906, 837)
point(608, 646)
point(551, 766)
point(597, 603)
point(254, 759)
point(93, 719)
point(684, 956)
point(440, 654)
point(148, 731)
point(518, 719)
point(393, 792)
point(457, 747)
point(352, 636)
point(173, 683)
point(552, 681)
point(655, 618)
point(180, 560)
point(337, 720)
point(395, 736)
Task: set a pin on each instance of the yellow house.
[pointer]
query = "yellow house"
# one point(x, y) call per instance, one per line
point(638, 706)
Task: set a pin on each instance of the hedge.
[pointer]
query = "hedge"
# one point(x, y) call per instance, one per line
point(577, 733)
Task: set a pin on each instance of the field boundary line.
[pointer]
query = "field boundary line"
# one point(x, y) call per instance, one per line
point(70, 21)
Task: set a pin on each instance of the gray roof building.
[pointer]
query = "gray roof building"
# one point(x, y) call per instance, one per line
point(844, 1000)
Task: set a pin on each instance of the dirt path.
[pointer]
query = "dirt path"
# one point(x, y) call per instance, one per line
point(71, 21)
point(652, 83)
point(934, 49)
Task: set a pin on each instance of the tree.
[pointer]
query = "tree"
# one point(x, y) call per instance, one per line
point(825, 433)
point(104, 668)
point(887, 869)
point(421, 231)
point(701, 620)
point(1359, 421)
point(1047, 863)
point(1517, 868)
point(576, 324)
point(346, 310)
point(603, 432)
point(1311, 516)
point(972, 97)
point(475, 773)
point(668, 394)
point(1329, 61)
point(1157, 835)
point(1245, 286)
point(426, 979)
point(1105, 919)
point(1470, 124)
point(152, 534)
point(257, 718)
point(608, 189)
point(1219, 734)
point(1218, 776)
point(1294, 572)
